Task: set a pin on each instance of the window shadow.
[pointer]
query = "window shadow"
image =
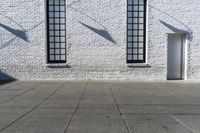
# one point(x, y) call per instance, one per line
point(103, 33)
point(172, 28)
point(177, 30)
point(19, 33)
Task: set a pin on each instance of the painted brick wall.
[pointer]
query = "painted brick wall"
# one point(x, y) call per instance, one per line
point(89, 55)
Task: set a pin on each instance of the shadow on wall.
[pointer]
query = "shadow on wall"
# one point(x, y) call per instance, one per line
point(103, 33)
point(25, 31)
point(5, 78)
point(172, 28)
point(19, 33)
point(177, 30)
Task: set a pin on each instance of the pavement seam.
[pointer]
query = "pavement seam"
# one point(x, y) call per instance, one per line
point(183, 124)
point(10, 86)
point(75, 111)
point(121, 114)
point(20, 94)
point(32, 109)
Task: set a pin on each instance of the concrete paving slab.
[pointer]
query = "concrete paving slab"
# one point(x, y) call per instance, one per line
point(160, 109)
point(98, 89)
point(97, 124)
point(97, 109)
point(92, 107)
point(68, 95)
point(34, 96)
point(10, 113)
point(192, 122)
point(51, 121)
point(97, 100)
point(154, 124)
point(10, 93)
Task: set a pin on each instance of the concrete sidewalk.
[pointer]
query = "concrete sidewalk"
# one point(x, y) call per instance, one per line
point(99, 107)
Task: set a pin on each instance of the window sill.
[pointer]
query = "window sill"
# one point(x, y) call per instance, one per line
point(57, 65)
point(138, 65)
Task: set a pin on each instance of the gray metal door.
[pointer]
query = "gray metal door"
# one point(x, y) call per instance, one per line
point(175, 54)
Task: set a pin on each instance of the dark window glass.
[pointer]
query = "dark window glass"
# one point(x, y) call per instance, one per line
point(56, 31)
point(136, 32)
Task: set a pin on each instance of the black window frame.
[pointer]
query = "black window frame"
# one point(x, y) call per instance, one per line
point(54, 29)
point(144, 33)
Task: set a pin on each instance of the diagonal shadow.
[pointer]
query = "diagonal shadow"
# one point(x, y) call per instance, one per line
point(11, 40)
point(103, 33)
point(5, 78)
point(172, 28)
point(19, 33)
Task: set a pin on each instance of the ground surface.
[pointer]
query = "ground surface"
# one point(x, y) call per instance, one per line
point(99, 107)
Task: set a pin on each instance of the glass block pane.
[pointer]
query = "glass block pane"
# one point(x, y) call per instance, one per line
point(51, 51)
point(62, 8)
point(51, 57)
point(130, 51)
point(62, 45)
point(135, 57)
point(57, 33)
point(62, 2)
point(57, 57)
point(130, 20)
point(130, 32)
point(51, 33)
point(62, 21)
point(51, 8)
point(50, 2)
point(141, 57)
point(56, 2)
point(62, 51)
point(62, 39)
point(57, 45)
point(62, 33)
point(57, 8)
point(62, 14)
point(135, 51)
point(57, 39)
point(130, 8)
point(129, 57)
point(57, 51)
point(63, 57)
point(51, 45)
point(51, 14)
point(140, 51)
point(130, 44)
point(57, 20)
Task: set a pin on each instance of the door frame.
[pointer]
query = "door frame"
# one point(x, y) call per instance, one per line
point(184, 57)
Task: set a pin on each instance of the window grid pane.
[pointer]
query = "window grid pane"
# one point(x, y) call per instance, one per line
point(136, 32)
point(56, 31)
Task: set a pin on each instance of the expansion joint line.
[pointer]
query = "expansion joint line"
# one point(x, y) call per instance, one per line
point(76, 109)
point(183, 124)
point(10, 86)
point(20, 93)
point(32, 109)
point(120, 112)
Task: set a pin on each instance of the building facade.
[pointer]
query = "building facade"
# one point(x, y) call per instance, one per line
point(100, 39)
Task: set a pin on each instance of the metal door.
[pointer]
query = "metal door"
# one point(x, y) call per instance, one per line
point(175, 56)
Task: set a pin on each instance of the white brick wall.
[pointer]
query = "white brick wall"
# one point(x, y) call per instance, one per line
point(89, 55)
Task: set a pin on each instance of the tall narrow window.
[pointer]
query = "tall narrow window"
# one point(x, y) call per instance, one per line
point(56, 31)
point(136, 31)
